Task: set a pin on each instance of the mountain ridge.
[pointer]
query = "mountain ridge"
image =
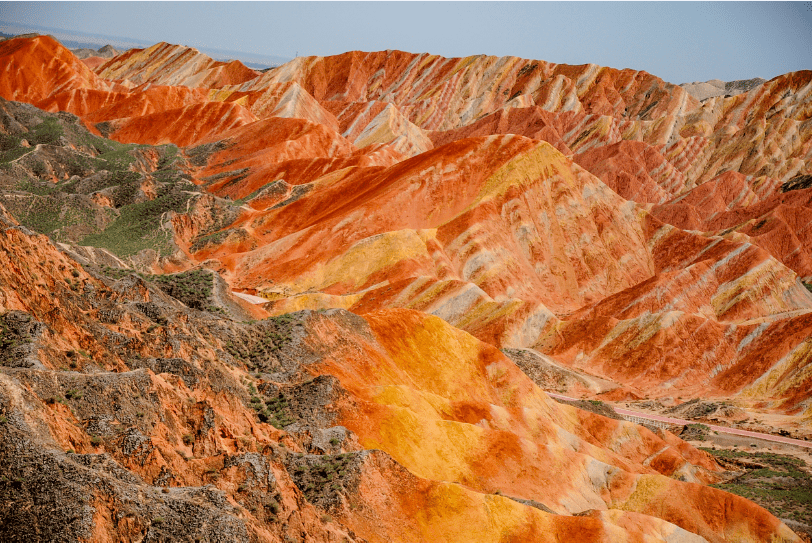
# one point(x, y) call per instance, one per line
point(405, 216)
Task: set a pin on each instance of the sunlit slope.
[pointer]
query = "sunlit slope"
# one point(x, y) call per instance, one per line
point(451, 408)
point(506, 238)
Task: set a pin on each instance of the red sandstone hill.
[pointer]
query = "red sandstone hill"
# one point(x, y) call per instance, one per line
point(605, 218)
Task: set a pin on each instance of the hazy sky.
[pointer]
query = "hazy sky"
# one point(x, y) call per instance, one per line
point(678, 41)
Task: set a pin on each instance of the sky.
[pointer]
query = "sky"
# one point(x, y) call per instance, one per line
point(681, 42)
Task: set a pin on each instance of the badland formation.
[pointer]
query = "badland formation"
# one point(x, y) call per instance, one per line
point(325, 302)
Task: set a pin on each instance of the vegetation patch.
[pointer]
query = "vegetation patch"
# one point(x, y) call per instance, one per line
point(274, 411)
point(138, 226)
point(322, 479)
point(45, 133)
point(779, 483)
point(193, 287)
point(258, 350)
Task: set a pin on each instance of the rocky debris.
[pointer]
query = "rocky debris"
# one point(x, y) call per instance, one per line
point(593, 406)
point(19, 338)
point(803, 530)
point(327, 479)
point(697, 409)
point(549, 375)
point(50, 495)
point(799, 182)
point(715, 87)
point(538, 505)
point(694, 432)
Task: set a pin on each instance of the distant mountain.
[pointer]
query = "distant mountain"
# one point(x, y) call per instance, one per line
point(715, 87)
point(81, 40)
point(107, 51)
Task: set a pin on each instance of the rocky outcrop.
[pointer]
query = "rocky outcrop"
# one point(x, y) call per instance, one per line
point(404, 217)
point(162, 422)
point(715, 87)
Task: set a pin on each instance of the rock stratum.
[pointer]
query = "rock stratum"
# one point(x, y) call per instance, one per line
point(433, 240)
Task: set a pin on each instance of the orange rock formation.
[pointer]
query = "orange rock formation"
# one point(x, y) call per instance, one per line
point(604, 218)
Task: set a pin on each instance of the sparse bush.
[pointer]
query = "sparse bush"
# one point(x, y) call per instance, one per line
point(73, 394)
point(188, 439)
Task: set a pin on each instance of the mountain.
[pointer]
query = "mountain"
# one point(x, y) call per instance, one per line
point(323, 302)
point(715, 87)
point(106, 51)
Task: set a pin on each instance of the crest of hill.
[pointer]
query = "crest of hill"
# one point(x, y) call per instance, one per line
point(508, 239)
point(715, 87)
point(167, 64)
point(646, 140)
point(435, 92)
point(37, 67)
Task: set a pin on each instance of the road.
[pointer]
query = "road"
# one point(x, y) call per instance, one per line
point(682, 422)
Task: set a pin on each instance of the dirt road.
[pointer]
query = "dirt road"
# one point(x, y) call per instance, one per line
point(682, 422)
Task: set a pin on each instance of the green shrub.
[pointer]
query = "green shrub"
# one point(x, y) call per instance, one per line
point(73, 394)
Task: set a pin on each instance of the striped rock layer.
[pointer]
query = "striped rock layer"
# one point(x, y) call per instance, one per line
point(424, 432)
point(534, 191)
point(604, 218)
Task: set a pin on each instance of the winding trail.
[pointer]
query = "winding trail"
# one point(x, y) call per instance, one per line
point(626, 413)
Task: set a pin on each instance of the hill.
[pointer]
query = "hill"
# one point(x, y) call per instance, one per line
point(412, 225)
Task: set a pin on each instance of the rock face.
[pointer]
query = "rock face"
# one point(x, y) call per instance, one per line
point(715, 87)
point(143, 412)
point(404, 217)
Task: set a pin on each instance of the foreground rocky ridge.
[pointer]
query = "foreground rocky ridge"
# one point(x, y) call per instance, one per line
point(149, 415)
point(602, 222)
